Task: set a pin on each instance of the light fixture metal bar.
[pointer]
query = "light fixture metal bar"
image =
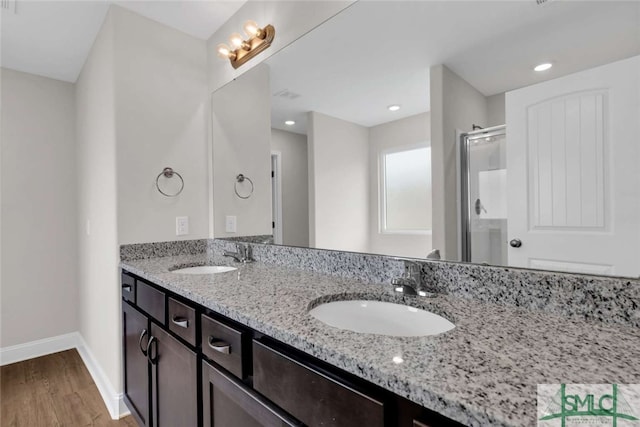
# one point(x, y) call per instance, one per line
point(257, 45)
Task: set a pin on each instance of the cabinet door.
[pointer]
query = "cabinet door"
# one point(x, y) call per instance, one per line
point(136, 367)
point(174, 381)
point(309, 395)
point(227, 402)
point(414, 415)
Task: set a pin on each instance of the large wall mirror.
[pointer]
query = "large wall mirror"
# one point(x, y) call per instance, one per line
point(421, 129)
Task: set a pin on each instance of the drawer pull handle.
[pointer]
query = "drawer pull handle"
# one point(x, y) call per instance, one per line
point(219, 346)
point(180, 321)
point(126, 288)
point(142, 349)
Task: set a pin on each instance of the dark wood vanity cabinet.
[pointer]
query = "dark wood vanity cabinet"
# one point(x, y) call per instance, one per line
point(227, 401)
point(186, 366)
point(174, 381)
point(135, 327)
point(311, 396)
point(160, 373)
point(227, 346)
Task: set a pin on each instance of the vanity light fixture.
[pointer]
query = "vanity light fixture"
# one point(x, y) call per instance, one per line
point(394, 107)
point(241, 50)
point(543, 67)
point(289, 123)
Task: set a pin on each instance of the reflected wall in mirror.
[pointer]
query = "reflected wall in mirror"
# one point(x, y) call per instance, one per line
point(373, 144)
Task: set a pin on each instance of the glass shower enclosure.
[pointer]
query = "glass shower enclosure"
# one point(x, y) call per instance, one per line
point(483, 190)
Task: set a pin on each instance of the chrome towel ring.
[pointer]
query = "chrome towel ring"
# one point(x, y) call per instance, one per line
point(240, 179)
point(169, 173)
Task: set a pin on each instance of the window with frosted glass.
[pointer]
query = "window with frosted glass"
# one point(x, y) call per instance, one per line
point(406, 197)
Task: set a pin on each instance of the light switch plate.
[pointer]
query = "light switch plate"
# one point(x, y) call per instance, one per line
point(182, 225)
point(230, 223)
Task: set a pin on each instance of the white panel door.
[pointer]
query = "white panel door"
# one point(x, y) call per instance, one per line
point(573, 162)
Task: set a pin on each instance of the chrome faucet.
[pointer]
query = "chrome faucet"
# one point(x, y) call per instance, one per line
point(410, 283)
point(243, 253)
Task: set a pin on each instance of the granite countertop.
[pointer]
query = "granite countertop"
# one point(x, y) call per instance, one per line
point(483, 372)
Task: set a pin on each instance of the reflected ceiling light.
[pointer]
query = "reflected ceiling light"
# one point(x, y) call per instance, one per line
point(394, 107)
point(543, 67)
point(397, 359)
point(289, 123)
point(240, 50)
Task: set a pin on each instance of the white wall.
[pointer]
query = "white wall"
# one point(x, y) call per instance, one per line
point(496, 110)
point(39, 260)
point(399, 133)
point(338, 184)
point(162, 119)
point(99, 293)
point(455, 106)
point(141, 106)
point(241, 134)
point(291, 20)
point(295, 186)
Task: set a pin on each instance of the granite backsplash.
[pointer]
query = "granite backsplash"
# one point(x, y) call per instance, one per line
point(609, 300)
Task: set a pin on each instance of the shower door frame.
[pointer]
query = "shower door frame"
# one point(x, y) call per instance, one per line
point(465, 204)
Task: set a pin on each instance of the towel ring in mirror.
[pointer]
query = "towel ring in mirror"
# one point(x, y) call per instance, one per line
point(239, 179)
point(169, 173)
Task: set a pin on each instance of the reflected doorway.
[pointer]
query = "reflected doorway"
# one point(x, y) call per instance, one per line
point(276, 196)
point(484, 196)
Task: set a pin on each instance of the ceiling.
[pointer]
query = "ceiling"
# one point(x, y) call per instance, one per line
point(378, 53)
point(54, 38)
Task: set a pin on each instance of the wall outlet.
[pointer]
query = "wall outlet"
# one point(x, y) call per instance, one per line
point(182, 225)
point(230, 223)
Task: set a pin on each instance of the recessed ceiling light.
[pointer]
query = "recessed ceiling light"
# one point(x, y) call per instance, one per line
point(543, 67)
point(289, 123)
point(393, 107)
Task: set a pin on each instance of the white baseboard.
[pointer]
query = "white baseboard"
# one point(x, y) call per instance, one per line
point(30, 350)
point(113, 400)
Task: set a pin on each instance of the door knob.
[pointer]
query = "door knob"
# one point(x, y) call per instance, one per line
point(515, 243)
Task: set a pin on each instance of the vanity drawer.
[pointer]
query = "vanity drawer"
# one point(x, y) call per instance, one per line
point(128, 288)
point(223, 344)
point(182, 321)
point(324, 401)
point(150, 300)
point(229, 402)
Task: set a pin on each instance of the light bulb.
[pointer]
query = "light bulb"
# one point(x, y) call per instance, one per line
point(236, 40)
point(251, 28)
point(223, 51)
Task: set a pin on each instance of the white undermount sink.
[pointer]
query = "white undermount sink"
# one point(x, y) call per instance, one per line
point(383, 318)
point(204, 269)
